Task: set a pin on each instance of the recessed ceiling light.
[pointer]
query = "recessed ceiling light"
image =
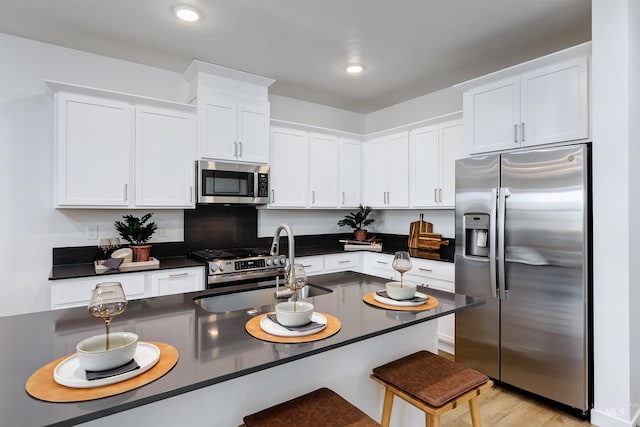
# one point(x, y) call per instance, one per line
point(354, 68)
point(187, 13)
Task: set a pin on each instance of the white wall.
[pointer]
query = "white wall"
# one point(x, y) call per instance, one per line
point(29, 225)
point(414, 110)
point(615, 207)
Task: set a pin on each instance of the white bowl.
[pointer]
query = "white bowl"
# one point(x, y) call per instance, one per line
point(93, 356)
point(395, 291)
point(125, 253)
point(287, 317)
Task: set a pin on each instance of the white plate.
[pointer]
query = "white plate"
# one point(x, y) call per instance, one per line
point(70, 374)
point(273, 328)
point(397, 303)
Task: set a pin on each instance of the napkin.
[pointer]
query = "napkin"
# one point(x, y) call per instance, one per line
point(414, 299)
point(113, 263)
point(132, 365)
point(301, 328)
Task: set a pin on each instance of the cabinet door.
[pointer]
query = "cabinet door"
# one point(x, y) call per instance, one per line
point(288, 173)
point(165, 152)
point(342, 262)
point(217, 129)
point(379, 265)
point(452, 148)
point(93, 152)
point(349, 176)
point(253, 133)
point(425, 167)
point(492, 116)
point(312, 264)
point(555, 103)
point(375, 173)
point(77, 292)
point(398, 170)
point(177, 281)
point(323, 171)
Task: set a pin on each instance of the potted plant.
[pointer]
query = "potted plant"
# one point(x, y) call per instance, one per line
point(358, 220)
point(137, 232)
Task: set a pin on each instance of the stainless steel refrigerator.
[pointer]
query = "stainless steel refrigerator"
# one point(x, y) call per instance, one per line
point(523, 245)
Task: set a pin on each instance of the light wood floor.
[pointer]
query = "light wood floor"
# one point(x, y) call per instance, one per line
point(505, 407)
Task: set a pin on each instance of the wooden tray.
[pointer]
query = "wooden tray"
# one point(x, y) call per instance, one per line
point(129, 266)
point(41, 384)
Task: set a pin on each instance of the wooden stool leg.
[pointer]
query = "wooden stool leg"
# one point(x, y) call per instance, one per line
point(386, 407)
point(432, 420)
point(474, 408)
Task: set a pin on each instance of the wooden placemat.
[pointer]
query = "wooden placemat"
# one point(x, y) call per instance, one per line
point(429, 304)
point(41, 384)
point(254, 329)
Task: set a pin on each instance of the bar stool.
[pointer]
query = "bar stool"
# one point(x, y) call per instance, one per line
point(432, 384)
point(320, 408)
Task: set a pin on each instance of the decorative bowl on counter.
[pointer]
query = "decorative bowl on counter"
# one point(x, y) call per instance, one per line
point(287, 316)
point(93, 355)
point(398, 292)
point(125, 253)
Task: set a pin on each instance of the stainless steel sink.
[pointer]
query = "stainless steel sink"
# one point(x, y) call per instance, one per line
point(252, 298)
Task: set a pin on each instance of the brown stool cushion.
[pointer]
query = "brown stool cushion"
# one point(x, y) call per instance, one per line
point(320, 408)
point(430, 378)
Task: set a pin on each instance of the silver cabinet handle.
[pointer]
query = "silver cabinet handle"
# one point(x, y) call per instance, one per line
point(240, 151)
point(191, 193)
point(313, 197)
point(382, 262)
point(126, 192)
point(522, 132)
point(425, 269)
point(307, 266)
point(235, 149)
point(440, 195)
point(515, 133)
point(344, 262)
point(175, 276)
point(273, 196)
point(435, 195)
point(343, 197)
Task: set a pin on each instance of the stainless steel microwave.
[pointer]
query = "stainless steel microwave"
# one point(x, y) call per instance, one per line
point(233, 183)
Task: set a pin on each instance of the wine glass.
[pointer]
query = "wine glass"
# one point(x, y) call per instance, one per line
point(401, 264)
point(107, 300)
point(105, 245)
point(296, 279)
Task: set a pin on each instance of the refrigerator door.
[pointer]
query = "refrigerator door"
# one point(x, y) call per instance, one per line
point(477, 330)
point(544, 315)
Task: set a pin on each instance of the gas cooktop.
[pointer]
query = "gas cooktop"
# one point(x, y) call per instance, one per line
point(224, 254)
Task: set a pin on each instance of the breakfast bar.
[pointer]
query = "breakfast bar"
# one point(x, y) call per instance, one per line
point(223, 372)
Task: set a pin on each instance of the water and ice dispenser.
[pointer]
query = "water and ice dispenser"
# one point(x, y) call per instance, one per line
point(476, 235)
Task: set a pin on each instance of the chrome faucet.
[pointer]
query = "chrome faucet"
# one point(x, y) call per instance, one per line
point(275, 250)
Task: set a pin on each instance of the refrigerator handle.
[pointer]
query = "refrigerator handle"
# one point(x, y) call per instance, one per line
point(493, 284)
point(503, 193)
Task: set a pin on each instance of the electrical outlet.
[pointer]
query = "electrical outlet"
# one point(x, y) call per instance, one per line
point(92, 232)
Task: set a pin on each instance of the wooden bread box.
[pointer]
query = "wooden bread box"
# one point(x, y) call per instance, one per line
point(421, 236)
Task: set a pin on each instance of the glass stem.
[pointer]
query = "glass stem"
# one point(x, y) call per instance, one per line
point(107, 322)
point(401, 279)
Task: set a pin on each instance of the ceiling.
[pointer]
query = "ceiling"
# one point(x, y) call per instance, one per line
point(408, 47)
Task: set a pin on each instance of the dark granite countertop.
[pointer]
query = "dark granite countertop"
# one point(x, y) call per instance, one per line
point(69, 271)
point(178, 321)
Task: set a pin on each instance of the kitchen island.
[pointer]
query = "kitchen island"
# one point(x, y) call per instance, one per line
point(222, 373)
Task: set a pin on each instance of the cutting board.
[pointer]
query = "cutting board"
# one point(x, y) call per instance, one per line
point(421, 236)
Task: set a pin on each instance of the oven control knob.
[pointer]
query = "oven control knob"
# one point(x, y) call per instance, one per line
point(213, 267)
point(221, 268)
point(283, 260)
point(269, 262)
point(276, 261)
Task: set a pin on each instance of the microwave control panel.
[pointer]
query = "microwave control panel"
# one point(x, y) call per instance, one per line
point(263, 185)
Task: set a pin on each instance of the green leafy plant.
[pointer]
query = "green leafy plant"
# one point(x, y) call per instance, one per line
point(135, 230)
point(357, 220)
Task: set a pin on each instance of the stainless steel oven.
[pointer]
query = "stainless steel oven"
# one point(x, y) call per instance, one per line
point(233, 183)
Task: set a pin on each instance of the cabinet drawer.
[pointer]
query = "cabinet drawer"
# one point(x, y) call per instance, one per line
point(342, 262)
point(432, 269)
point(177, 281)
point(379, 265)
point(77, 292)
point(312, 264)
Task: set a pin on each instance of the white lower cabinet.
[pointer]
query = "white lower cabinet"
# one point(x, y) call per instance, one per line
point(312, 264)
point(177, 281)
point(434, 274)
point(341, 262)
point(67, 293)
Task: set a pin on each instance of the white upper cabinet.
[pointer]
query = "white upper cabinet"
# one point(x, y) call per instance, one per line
point(93, 151)
point(323, 171)
point(233, 131)
point(164, 160)
point(386, 175)
point(115, 150)
point(540, 102)
point(433, 152)
point(288, 174)
point(349, 176)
